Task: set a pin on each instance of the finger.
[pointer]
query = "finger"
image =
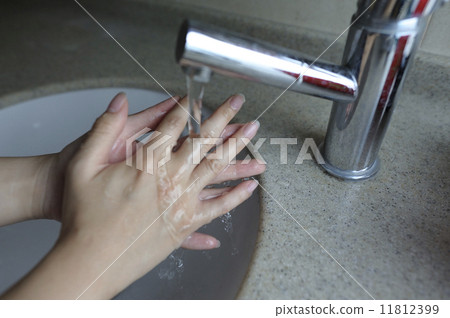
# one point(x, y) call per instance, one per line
point(209, 169)
point(172, 126)
point(226, 133)
point(213, 127)
point(151, 117)
point(225, 203)
point(200, 241)
point(207, 194)
point(100, 139)
point(216, 123)
point(240, 170)
point(229, 131)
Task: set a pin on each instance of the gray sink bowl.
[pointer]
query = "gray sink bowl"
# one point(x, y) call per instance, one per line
point(46, 125)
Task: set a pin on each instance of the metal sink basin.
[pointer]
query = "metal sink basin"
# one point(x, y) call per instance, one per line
point(45, 125)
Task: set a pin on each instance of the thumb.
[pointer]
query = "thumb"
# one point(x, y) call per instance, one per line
point(106, 129)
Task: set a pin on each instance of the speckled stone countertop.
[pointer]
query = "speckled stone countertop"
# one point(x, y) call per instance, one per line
point(390, 233)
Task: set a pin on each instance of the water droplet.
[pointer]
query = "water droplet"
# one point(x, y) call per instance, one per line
point(226, 220)
point(173, 267)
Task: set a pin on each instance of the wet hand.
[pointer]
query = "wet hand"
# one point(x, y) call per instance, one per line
point(56, 166)
point(127, 220)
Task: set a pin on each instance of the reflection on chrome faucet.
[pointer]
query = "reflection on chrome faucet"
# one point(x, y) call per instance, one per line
point(382, 40)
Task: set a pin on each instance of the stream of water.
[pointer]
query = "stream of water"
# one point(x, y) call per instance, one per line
point(195, 96)
point(196, 79)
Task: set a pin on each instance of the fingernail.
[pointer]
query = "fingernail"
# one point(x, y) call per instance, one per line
point(117, 103)
point(213, 242)
point(252, 186)
point(237, 101)
point(251, 129)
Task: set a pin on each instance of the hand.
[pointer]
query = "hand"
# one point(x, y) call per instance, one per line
point(55, 166)
point(119, 222)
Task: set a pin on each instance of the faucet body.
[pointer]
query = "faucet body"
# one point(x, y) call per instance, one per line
point(381, 43)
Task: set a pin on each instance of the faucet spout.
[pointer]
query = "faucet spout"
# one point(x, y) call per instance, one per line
point(235, 55)
point(381, 43)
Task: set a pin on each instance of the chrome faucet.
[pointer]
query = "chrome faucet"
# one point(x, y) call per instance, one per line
point(381, 43)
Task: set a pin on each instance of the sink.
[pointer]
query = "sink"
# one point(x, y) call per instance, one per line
point(47, 124)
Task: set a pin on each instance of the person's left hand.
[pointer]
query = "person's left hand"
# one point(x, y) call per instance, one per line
point(52, 185)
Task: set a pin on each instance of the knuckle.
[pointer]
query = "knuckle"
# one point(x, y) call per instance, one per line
point(174, 121)
point(210, 133)
point(100, 125)
point(210, 128)
point(226, 113)
point(232, 171)
point(99, 122)
point(214, 126)
point(213, 167)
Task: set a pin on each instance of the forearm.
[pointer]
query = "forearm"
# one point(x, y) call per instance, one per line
point(65, 272)
point(83, 267)
point(22, 187)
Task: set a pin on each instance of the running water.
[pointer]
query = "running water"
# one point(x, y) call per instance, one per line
point(195, 96)
point(226, 220)
point(196, 79)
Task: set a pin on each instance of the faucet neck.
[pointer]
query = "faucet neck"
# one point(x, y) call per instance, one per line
point(395, 10)
point(228, 53)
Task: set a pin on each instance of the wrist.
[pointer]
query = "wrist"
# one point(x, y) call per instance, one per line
point(45, 184)
point(111, 263)
point(64, 273)
point(23, 188)
point(95, 269)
